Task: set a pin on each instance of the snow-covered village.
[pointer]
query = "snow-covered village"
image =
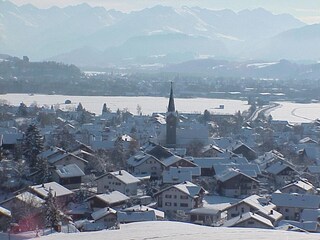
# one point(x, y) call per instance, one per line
point(71, 171)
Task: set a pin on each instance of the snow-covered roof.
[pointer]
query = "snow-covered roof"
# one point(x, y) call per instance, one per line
point(300, 184)
point(123, 176)
point(176, 175)
point(251, 170)
point(111, 198)
point(140, 158)
point(308, 140)
point(57, 189)
point(58, 157)
point(129, 217)
point(233, 222)
point(4, 211)
point(142, 208)
point(68, 171)
point(209, 162)
point(310, 226)
point(231, 173)
point(31, 199)
point(277, 168)
point(102, 213)
point(261, 206)
point(51, 151)
point(296, 200)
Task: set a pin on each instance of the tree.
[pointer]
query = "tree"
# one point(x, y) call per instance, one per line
point(79, 108)
point(139, 110)
point(32, 145)
point(105, 109)
point(22, 110)
point(52, 212)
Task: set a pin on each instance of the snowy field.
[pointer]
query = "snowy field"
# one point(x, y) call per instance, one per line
point(183, 231)
point(296, 112)
point(148, 105)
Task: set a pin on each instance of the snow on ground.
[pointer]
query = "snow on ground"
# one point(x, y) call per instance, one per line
point(296, 112)
point(183, 231)
point(148, 105)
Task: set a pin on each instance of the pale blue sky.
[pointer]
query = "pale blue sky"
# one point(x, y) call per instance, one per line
point(306, 10)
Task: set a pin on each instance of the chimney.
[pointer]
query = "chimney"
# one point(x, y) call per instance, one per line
point(271, 212)
point(120, 173)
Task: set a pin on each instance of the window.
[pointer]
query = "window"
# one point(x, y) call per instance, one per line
point(109, 177)
point(174, 196)
point(183, 197)
point(168, 204)
point(242, 210)
point(287, 210)
point(175, 204)
point(250, 222)
point(183, 204)
point(168, 196)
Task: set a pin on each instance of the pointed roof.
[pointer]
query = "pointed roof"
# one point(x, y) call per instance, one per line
point(171, 107)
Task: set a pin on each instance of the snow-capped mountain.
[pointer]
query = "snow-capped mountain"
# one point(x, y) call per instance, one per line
point(87, 35)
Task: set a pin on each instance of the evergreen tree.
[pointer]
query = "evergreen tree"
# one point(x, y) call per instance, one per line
point(22, 110)
point(32, 145)
point(52, 212)
point(105, 109)
point(79, 108)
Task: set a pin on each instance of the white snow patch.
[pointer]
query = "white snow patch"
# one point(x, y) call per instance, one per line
point(261, 65)
point(182, 231)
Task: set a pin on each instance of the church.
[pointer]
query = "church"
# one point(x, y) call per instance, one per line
point(180, 131)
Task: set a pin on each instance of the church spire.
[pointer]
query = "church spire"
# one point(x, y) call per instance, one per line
point(171, 107)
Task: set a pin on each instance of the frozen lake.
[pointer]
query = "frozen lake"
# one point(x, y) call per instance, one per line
point(148, 105)
point(296, 112)
point(292, 112)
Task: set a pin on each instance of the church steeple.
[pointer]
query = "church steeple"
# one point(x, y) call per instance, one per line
point(171, 107)
point(171, 119)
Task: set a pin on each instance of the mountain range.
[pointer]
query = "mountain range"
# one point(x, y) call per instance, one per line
point(93, 36)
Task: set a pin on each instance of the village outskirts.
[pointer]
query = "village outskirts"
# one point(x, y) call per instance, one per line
point(73, 171)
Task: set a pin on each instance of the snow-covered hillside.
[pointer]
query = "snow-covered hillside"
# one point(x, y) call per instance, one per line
point(183, 231)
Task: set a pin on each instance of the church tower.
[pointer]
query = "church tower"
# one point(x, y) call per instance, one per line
point(171, 119)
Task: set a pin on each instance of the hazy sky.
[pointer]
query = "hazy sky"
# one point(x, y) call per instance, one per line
point(306, 10)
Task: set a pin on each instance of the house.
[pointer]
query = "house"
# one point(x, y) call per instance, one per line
point(113, 199)
point(26, 210)
point(66, 158)
point(5, 218)
point(62, 195)
point(176, 175)
point(234, 183)
point(69, 176)
point(306, 226)
point(282, 173)
point(105, 216)
point(121, 181)
point(179, 162)
point(133, 216)
point(211, 150)
point(211, 215)
point(292, 205)
point(301, 186)
point(184, 196)
point(249, 220)
point(141, 208)
point(254, 204)
point(142, 164)
point(207, 164)
point(245, 151)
